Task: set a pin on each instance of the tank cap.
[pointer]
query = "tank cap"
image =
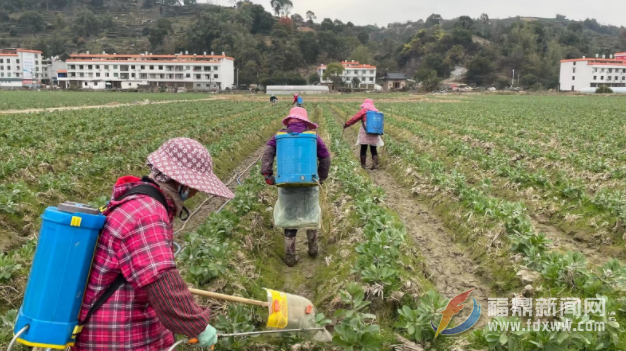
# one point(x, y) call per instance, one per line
point(75, 207)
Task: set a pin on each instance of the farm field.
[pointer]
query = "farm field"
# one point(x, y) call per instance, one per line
point(21, 100)
point(471, 191)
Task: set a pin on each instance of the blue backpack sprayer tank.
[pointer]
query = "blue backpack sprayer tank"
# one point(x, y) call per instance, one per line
point(58, 277)
point(296, 158)
point(375, 122)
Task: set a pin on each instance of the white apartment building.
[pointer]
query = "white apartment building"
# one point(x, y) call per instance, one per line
point(193, 72)
point(586, 73)
point(20, 68)
point(353, 69)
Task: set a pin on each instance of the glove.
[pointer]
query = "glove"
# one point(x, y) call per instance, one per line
point(269, 179)
point(208, 337)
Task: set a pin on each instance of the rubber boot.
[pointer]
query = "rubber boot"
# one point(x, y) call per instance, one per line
point(363, 161)
point(311, 236)
point(290, 247)
point(375, 162)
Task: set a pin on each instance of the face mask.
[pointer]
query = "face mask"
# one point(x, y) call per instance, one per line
point(184, 195)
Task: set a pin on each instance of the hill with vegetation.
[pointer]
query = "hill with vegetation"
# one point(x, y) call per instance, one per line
point(285, 48)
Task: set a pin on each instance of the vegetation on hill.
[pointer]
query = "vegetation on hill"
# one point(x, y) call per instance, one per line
point(285, 48)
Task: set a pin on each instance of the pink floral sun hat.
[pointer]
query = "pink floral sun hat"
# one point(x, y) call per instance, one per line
point(368, 104)
point(300, 114)
point(189, 163)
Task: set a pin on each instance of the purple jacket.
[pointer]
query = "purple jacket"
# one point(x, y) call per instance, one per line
point(299, 127)
point(323, 154)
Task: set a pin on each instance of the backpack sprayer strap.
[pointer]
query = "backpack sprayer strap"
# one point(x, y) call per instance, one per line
point(141, 189)
point(119, 280)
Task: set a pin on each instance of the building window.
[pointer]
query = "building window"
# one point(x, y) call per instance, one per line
point(187, 68)
point(9, 75)
point(1, 68)
point(207, 68)
point(595, 77)
point(8, 60)
point(608, 78)
point(17, 61)
point(187, 75)
point(132, 75)
point(208, 85)
point(17, 68)
point(143, 76)
point(623, 78)
point(81, 67)
point(595, 70)
point(129, 84)
point(98, 75)
point(1, 60)
point(106, 66)
point(623, 71)
point(89, 67)
point(106, 75)
point(151, 67)
point(97, 66)
point(114, 66)
point(215, 68)
point(115, 75)
point(610, 70)
point(198, 76)
point(602, 78)
point(160, 68)
point(602, 70)
point(574, 63)
point(17, 75)
point(82, 74)
point(574, 70)
point(573, 78)
point(616, 78)
point(2, 74)
point(143, 67)
point(215, 76)
point(132, 67)
point(85, 84)
point(198, 85)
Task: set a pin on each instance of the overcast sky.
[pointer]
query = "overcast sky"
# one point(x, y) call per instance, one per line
point(382, 12)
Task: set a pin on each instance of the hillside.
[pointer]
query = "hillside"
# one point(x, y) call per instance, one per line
point(272, 48)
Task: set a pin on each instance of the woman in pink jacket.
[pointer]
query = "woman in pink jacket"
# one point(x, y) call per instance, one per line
point(365, 139)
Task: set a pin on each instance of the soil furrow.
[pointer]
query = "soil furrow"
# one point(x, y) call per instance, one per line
point(450, 267)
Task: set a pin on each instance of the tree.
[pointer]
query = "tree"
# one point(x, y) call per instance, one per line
point(281, 7)
point(465, 22)
point(33, 21)
point(59, 22)
point(484, 19)
point(529, 80)
point(310, 16)
point(86, 23)
point(314, 78)
point(363, 37)
point(355, 81)
point(575, 27)
point(428, 78)
point(159, 31)
point(480, 71)
point(56, 45)
point(433, 20)
point(333, 73)
point(309, 47)
point(361, 54)
point(560, 17)
point(297, 18)
point(42, 45)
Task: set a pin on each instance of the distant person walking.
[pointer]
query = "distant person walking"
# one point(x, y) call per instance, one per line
point(365, 139)
point(297, 100)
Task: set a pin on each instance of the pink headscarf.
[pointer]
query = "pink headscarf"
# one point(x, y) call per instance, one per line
point(368, 104)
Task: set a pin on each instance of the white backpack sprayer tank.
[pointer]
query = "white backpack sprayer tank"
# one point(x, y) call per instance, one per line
point(58, 277)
